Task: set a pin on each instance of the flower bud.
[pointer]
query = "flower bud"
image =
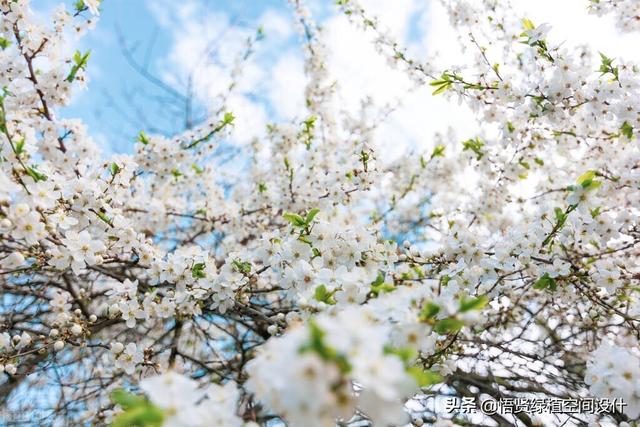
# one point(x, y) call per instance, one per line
point(117, 347)
point(76, 329)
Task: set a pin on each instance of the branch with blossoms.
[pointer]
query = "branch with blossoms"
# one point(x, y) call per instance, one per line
point(329, 285)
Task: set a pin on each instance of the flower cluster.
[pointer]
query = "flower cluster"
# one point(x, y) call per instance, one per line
point(362, 357)
point(625, 12)
point(314, 279)
point(184, 403)
point(614, 372)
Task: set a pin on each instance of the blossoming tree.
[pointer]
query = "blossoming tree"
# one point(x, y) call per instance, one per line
point(327, 286)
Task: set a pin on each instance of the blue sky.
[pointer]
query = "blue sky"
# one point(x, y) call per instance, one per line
point(118, 101)
point(170, 38)
point(165, 38)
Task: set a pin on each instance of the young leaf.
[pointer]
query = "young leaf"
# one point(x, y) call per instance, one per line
point(142, 138)
point(143, 416)
point(586, 178)
point(545, 282)
point(438, 151)
point(474, 145)
point(114, 169)
point(468, 304)
point(527, 24)
point(228, 118)
point(627, 130)
point(448, 325)
point(311, 215)
point(197, 271)
point(79, 63)
point(429, 311)
point(33, 173)
point(126, 400)
point(424, 378)
point(295, 219)
point(321, 294)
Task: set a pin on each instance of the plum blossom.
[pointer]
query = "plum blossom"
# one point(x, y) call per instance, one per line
point(188, 404)
point(128, 359)
point(83, 249)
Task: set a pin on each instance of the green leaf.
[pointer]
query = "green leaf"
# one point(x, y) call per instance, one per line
point(127, 400)
point(441, 87)
point(295, 219)
point(468, 304)
point(197, 271)
point(527, 24)
point(379, 280)
point(606, 66)
point(379, 288)
point(627, 130)
point(545, 282)
point(299, 221)
point(142, 138)
point(321, 294)
point(228, 118)
point(448, 325)
point(103, 217)
point(311, 215)
point(114, 169)
point(407, 355)
point(561, 216)
point(4, 43)
point(438, 151)
point(474, 145)
point(605, 63)
point(445, 82)
point(19, 147)
point(424, 378)
point(307, 131)
point(586, 178)
point(429, 311)
point(304, 239)
point(80, 63)
point(317, 345)
point(142, 416)
point(33, 173)
point(241, 266)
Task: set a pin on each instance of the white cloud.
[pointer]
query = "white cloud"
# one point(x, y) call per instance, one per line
point(362, 71)
point(206, 46)
point(286, 86)
point(274, 81)
point(572, 23)
point(276, 24)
